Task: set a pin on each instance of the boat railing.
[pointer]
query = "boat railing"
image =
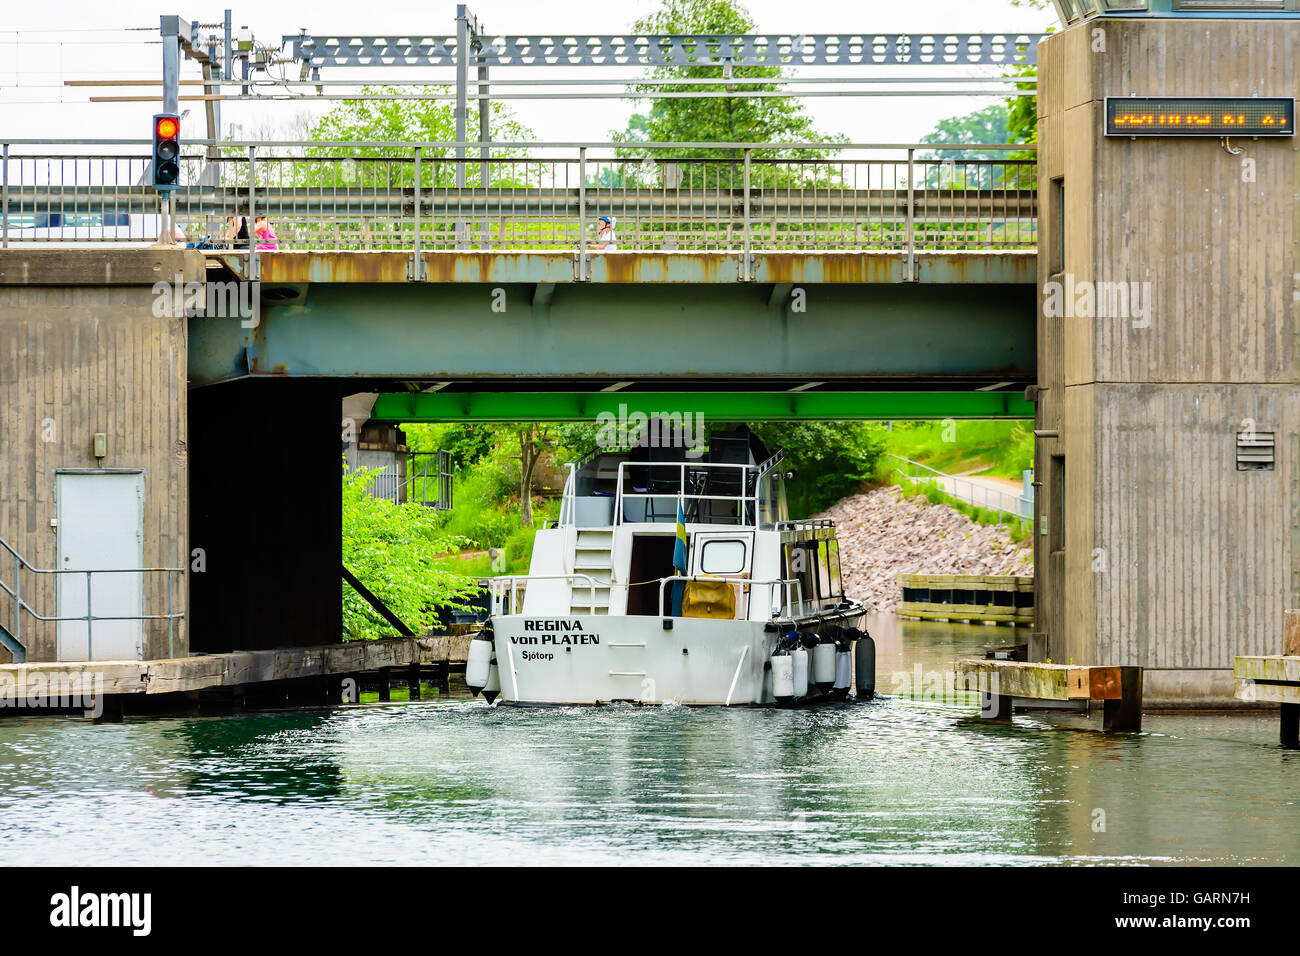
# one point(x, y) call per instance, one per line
point(568, 497)
point(805, 524)
point(691, 491)
point(507, 597)
point(780, 603)
point(784, 595)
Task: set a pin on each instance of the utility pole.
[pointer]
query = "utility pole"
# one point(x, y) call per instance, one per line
point(467, 45)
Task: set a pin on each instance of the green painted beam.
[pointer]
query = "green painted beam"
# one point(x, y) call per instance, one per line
point(720, 406)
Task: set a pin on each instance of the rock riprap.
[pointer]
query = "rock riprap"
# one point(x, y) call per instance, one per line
point(884, 534)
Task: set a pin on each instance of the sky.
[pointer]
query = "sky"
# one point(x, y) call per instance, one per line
point(118, 39)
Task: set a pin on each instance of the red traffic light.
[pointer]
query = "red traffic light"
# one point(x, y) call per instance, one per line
point(166, 150)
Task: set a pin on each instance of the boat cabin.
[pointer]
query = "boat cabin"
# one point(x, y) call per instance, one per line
point(615, 547)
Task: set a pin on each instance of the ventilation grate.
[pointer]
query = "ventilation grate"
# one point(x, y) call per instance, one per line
point(1255, 451)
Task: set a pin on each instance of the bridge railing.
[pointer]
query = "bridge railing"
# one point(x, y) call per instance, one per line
point(420, 197)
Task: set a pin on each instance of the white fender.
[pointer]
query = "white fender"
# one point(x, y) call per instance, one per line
point(823, 665)
point(799, 657)
point(782, 677)
point(843, 670)
point(478, 665)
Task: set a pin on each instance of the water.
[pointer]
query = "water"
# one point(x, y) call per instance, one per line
point(895, 781)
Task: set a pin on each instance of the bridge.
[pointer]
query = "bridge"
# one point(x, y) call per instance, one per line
point(733, 261)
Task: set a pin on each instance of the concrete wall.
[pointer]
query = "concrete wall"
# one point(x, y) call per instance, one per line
point(81, 351)
point(1173, 559)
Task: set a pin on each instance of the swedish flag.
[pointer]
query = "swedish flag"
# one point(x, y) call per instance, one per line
point(679, 561)
point(679, 549)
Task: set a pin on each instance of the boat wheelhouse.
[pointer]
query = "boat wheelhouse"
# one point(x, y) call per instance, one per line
point(674, 575)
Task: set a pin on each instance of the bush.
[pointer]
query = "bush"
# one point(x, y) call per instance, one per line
point(392, 549)
point(482, 515)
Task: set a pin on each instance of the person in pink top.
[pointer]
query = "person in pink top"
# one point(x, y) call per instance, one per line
point(266, 238)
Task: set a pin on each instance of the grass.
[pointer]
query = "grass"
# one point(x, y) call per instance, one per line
point(1001, 449)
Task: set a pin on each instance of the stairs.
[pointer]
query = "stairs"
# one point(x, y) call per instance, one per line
point(12, 645)
point(593, 556)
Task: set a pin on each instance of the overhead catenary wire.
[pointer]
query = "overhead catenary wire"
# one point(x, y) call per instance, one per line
point(373, 97)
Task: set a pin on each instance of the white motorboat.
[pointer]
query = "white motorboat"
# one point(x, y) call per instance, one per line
point(676, 577)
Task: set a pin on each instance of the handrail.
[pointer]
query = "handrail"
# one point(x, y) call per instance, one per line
point(20, 604)
point(568, 498)
point(1024, 513)
point(791, 594)
point(520, 144)
point(400, 197)
point(742, 499)
point(509, 584)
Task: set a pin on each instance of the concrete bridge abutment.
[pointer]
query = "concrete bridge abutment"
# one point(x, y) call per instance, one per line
point(1168, 523)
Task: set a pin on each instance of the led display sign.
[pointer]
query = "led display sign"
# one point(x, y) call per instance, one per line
point(1200, 116)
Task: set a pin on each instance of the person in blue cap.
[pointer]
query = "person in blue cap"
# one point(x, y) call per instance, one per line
point(605, 239)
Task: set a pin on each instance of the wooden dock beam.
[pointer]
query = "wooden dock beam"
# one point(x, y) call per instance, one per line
point(999, 681)
point(1276, 679)
point(220, 681)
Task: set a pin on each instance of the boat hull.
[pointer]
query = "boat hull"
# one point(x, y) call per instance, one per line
point(598, 659)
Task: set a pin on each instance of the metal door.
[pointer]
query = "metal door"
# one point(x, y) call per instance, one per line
point(100, 528)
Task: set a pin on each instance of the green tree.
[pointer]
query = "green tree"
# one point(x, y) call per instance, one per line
point(735, 119)
point(978, 168)
point(391, 548)
point(411, 120)
point(1022, 121)
point(988, 125)
point(738, 118)
point(1022, 113)
point(831, 459)
point(361, 172)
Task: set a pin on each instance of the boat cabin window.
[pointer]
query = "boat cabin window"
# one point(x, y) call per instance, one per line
point(828, 569)
point(799, 563)
point(816, 566)
point(723, 556)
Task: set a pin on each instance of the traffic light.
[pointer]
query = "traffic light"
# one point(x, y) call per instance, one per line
point(166, 151)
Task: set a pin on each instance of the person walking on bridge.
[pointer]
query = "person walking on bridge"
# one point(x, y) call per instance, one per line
point(237, 232)
point(605, 238)
point(266, 238)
